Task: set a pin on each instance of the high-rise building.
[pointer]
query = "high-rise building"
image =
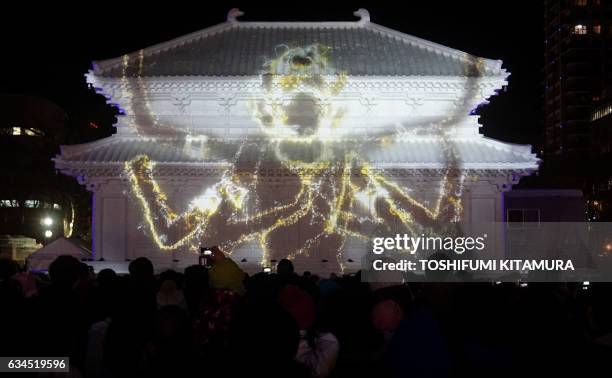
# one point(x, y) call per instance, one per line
point(599, 205)
point(577, 73)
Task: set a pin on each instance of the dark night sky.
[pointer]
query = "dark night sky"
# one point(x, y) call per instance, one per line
point(46, 50)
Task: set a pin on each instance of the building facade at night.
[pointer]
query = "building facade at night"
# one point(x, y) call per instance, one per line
point(290, 139)
point(578, 80)
point(35, 209)
point(599, 205)
point(577, 70)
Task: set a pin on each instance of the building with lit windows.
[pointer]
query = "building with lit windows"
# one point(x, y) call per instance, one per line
point(577, 72)
point(599, 205)
point(33, 201)
point(577, 84)
point(290, 139)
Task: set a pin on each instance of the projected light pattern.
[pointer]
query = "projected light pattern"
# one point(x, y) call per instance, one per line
point(338, 194)
point(312, 114)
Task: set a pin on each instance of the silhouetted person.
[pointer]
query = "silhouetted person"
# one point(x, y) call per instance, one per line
point(286, 273)
point(418, 348)
point(141, 270)
point(106, 298)
point(285, 268)
point(266, 340)
point(131, 328)
point(196, 286)
point(8, 268)
point(59, 315)
point(12, 303)
point(169, 353)
point(106, 277)
point(64, 272)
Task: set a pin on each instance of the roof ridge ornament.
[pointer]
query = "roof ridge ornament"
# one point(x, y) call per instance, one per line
point(233, 14)
point(363, 14)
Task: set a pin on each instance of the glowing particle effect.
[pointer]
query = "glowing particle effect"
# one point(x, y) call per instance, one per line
point(336, 193)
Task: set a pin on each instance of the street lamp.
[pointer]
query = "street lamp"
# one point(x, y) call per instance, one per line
point(48, 233)
point(47, 221)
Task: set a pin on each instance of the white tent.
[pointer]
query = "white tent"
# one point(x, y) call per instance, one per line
point(41, 259)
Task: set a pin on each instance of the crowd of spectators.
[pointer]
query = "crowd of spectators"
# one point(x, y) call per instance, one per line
point(219, 322)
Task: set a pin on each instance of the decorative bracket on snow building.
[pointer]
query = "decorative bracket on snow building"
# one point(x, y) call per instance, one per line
point(233, 14)
point(363, 14)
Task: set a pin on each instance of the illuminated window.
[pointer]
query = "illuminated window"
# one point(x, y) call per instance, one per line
point(31, 203)
point(20, 131)
point(580, 29)
point(597, 29)
point(601, 112)
point(32, 132)
point(9, 203)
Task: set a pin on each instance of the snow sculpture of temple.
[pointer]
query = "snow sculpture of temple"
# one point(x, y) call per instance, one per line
point(296, 139)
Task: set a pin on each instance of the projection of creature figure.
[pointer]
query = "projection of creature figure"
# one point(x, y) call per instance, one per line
point(336, 195)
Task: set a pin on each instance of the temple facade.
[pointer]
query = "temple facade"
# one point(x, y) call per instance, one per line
point(290, 139)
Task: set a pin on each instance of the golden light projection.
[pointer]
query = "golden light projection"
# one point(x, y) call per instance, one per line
point(311, 114)
point(332, 192)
